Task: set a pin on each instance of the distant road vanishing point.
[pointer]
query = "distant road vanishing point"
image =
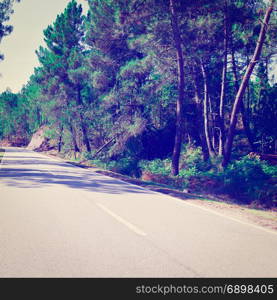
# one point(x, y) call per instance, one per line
point(58, 220)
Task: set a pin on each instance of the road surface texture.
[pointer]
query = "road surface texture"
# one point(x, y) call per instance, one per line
point(58, 220)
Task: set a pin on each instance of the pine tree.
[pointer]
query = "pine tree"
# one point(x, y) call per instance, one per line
point(64, 42)
point(244, 83)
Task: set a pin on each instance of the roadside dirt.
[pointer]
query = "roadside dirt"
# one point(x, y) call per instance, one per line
point(261, 217)
point(264, 218)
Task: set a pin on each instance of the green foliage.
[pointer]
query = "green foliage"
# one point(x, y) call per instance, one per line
point(197, 174)
point(5, 12)
point(156, 166)
point(50, 133)
point(192, 158)
point(265, 113)
point(125, 166)
point(13, 111)
point(67, 30)
point(249, 178)
point(189, 172)
point(269, 170)
point(2, 152)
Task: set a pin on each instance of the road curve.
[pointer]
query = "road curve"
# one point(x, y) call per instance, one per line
point(58, 220)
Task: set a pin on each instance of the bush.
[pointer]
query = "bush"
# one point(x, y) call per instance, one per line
point(192, 159)
point(191, 163)
point(87, 155)
point(269, 170)
point(159, 171)
point(250, 178)
point(186, 173)
point(99, 163)
point(125, 166)
point(156, 166)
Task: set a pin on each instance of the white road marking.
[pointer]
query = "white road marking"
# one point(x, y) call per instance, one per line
point(121, 220)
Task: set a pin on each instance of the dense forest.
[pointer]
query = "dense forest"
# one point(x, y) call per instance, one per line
point(177, 92)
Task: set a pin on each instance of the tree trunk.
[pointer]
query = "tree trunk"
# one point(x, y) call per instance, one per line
point(244, 83)
point(242, 109)
point(39, 116)
point(104, 146)
point(181, 85)
point(199, 112)
point(60, 139)
point(206, 113)
point(212, 127)
point(73, 137)
point(85, 135)
point(223, 88)
point(72, 132)
point(83, 125)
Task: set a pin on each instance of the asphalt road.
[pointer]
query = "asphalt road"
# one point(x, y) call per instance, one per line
point(57, 220)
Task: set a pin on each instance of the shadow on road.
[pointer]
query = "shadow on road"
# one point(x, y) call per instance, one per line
point(64, 174)
point(33, 157)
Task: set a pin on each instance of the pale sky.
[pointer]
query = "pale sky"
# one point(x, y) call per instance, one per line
point(30, 18)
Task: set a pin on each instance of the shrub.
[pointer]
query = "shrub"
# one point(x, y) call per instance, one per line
point(250, 178)
point(192, 158)
point(159, 171)
point(156, 166)
point(186, 173)
point(99, 163)
point(269, 170)
point(125, 166)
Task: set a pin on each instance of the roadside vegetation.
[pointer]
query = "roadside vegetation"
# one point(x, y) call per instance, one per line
point(180, 93)
point(248, 180)
point(2, 151)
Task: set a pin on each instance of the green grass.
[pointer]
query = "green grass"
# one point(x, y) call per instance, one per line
point(2, 151)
